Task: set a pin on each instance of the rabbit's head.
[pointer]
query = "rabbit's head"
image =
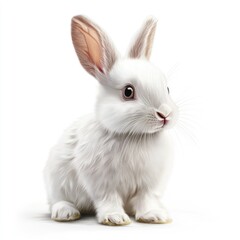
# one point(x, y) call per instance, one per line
point(134, 97)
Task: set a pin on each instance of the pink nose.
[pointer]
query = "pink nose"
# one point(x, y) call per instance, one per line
point(161, 115)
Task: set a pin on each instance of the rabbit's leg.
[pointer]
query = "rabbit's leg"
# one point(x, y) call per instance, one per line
point(61, 209)
point(149, 209)
point(56, 185)
point(110, 211)
point(64, 211)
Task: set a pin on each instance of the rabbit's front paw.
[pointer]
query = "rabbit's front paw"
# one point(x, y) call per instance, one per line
point(154, 216)
point(115, 219)
point(64, 211)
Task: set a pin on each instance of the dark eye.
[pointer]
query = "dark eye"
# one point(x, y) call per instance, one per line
point(168, 90)
point(128, 92)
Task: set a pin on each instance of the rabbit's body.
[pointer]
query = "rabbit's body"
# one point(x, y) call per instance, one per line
point(117, 160)
point(89, 163)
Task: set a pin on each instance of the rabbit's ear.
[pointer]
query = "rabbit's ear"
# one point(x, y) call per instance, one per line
point(92, 46)
point(142, 46)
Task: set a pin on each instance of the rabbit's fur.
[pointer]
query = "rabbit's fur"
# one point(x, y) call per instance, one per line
point(116, 161)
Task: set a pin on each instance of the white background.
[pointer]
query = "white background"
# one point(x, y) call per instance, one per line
point(44, 89)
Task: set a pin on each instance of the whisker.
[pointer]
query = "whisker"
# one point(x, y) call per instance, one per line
point(178, 138)
point(189, 120)
point(187, 131)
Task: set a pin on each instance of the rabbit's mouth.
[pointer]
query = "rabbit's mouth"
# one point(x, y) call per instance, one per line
point(165, 121)
point(160, 125)
point(163, 117)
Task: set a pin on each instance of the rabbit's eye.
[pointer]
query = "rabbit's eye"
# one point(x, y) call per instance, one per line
point(128, 92)
point(168, 90)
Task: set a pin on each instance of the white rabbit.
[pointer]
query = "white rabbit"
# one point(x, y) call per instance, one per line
point(116, 161)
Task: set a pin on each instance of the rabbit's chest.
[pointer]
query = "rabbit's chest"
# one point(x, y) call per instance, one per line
point(122, 163)
point(136, 163)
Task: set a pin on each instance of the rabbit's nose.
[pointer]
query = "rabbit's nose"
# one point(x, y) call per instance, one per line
point(163, 112)
point(161, 115)
point(162, 118)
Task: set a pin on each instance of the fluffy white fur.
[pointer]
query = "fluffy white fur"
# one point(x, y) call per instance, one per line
point(116, 161)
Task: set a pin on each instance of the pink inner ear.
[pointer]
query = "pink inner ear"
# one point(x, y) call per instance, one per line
point(100, 69)
point(94, 47)
point(143, 43)
point(87, 43)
